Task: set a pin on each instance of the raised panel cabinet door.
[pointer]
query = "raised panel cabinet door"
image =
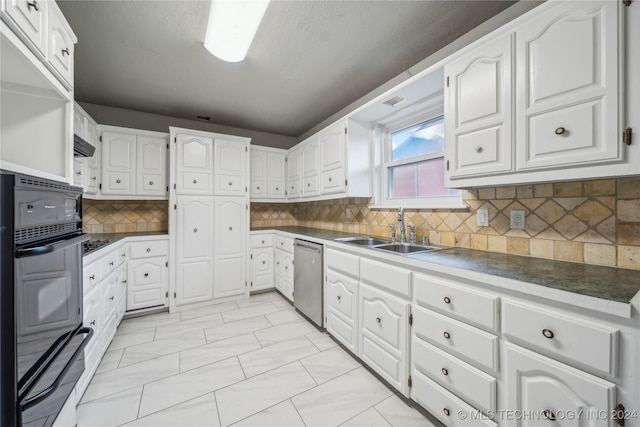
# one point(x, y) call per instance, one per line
point(309, 158)
point(332, 147)
point(194, 252)
point(479, 110)
point(231, 235)
point(540, 385)
point(293, 165)
point(230, 158)
point(91, 178)
point(78, 172)
point(151, 166)
point(276, 170)
point(259, 174)
point(263, 261)
point(568, 100)
point(194, 164)
point(61, 47)
point(118, 163)
point(147, 283)
point(342, 305)
point(30, 17)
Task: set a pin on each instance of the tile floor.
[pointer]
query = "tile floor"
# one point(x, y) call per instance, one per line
point(254, 362)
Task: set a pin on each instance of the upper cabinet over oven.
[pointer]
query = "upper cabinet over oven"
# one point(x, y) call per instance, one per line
point(541, 100)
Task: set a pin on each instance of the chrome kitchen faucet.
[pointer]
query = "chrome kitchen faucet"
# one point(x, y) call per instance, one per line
point(403, 233)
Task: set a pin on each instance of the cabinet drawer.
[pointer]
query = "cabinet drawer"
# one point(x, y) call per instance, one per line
point(342, 262)
point(341, 294)
point(310, 186)
point(284, 243)
point(577, 340)
point(148, 249)
point(109, 263)
point(442, 404)
point(119, 182)
point(388, 277)
point(262, 241)
point(457, 301)
point(454, 374)
point(293, 188)
point(333, 181)
point(229, 184)
point(196, 183)
point(476, 346)
point(91, 276)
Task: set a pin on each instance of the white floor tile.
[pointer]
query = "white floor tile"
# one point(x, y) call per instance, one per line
point(110, 360)
point(281, 415)
point(399, 414)
point(174, 344)
point(122, 340)
point(179, 388)
point(284, 332)
point(121, 379)
point(340, 399)
point(205, 311)
point(216, 351)
point(110, 411)
point(233, 329)
point(248, 312)
point(284, 316)
point(274, 356)
point(259, 299)
point(329, 364)
point(369, 418)
point(187, 326)
point(283, 304)
point(322, 340)
point(255, 394)
point(146, 322)
point(199, 412)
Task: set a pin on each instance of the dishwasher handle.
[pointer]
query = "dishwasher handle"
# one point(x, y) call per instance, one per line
point(311, 246)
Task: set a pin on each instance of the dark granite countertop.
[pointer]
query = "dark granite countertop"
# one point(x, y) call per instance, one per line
point(608, 283)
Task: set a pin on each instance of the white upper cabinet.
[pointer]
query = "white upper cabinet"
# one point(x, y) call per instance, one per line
point(541, 99)
point(61, 46)
point(267, 173)
point(118, 161)
point(276, 175)
point(309, 163)
point(85, 169)
point(568, 86)
point(151, 166)
point(194, 163)
point(478, 123)
point(332, 159)
point(30, 17)
point(293, 173)
point(258, 173)
point(230, 170)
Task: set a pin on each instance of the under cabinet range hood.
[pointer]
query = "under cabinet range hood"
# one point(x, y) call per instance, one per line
point(82, 148)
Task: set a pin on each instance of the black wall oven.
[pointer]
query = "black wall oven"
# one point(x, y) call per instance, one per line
point(41, 333)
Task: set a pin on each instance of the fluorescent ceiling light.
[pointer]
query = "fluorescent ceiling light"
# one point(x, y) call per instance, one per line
point(232, 26)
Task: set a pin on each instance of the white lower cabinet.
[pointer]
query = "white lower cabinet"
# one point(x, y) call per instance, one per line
point(147, 284)
point(262, 269)
point(283, 255)
point(94, 349)
point(341, 297)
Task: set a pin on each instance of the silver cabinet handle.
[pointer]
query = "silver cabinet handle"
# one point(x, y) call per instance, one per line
point(124, 281)
point(447, 335)
point(123, 255)
point(111, 298)
point(264, 262)
point(146, 274)
point(92, 277)
point(446, 411)
point(92, 323)
point(230, 183)
point(118, 181)
point(339, 297)
point(447, 300)
point(79, 173)
point(230, 228)
point(308, 184)
point(150, 182)
point(65, 51)
point(329, 179)
point(378, 319)
point(548, 333)
point(258, 188)
point(560, 131)
point(195, 181)
point(263, 242)
point(111, 263)
point(277, 188)
point(195, 230)
point(33, 4)
point(148, 250)
point(93, 178)
point(477, 149)
point(445, 371)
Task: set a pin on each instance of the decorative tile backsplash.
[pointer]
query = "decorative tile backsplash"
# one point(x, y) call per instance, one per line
point(594, 222)
point(119, 216)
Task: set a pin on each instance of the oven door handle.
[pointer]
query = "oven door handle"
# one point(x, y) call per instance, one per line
point(47, 249)
point(54, 386)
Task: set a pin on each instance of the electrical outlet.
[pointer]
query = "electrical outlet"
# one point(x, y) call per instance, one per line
point(348, 213)
point(482, 216)
point(517, 220)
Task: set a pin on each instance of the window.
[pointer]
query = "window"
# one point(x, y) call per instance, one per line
point(414, 167)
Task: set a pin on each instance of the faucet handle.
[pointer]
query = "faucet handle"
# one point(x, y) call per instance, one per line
point(412, 235)
point(393, 232)
point(425, 240)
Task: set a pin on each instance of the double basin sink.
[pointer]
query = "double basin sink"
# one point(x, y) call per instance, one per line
point(385, 245)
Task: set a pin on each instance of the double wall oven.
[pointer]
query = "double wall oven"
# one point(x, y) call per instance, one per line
point(41, 332)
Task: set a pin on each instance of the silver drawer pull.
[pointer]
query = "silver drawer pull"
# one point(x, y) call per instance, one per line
point(111, 298)
point(195, 230)
point(92, 277)
point(148, 250)
point(264, 262)
point(308, 184)
point(118, 181)
point(34, 5)
point(123, 255)
point(263, 242)
point(230, 183)
point(111, 263)
point(445, 371)
point(258, 188)
point(447, 335)
point(329, 179)
point(446, 411)
point(277, 188)
point(230, 228)
point(447, 300)
point(477, 149)
point(195, 181)
point(93, 323)
point(339, 297)
point(549, 415)
point(94, 178)
point(124, 281)
point(79, 173)
point(548, 333)
point(378, 319)
point(560, 131)
point(65, 51)
point(146, 274)
point(150, 182)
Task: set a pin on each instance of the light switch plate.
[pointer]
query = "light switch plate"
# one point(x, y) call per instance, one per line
point(482, 216)
point(348, 213)
point(517, 220)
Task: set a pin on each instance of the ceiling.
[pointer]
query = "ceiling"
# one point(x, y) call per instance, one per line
point(308, 60)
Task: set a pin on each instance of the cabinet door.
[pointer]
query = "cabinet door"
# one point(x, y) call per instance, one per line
point(276, 173)
point(61, 47)
point(332, 147)
point(341, 294)
point(309, 158)
point(478, 111)
point(93, 351)
point(230, 230)
point(540, 385)
point(230, 168)
point(194, 164)
point(29, 16)
point(293, 165)
point(384, 335)
point(151, 166)
point(262, 268)
point(91, 178)
point(78, 172)
point(147, 280)
point(287, 271)
point(279, 269)
point(568, 86)
point(194, 252)
point(118, 163)
point(259, 175)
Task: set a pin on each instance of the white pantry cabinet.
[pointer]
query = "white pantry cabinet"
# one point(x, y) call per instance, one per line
point(230, 167)
point(553, 81)
point(193, 163)
point(230, 246)
point(267, 174)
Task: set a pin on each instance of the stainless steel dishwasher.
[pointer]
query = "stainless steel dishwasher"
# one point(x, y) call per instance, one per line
point(308, 294)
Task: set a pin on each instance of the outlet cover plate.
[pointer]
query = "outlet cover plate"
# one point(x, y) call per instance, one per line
point(517, 219)
point(482, 216)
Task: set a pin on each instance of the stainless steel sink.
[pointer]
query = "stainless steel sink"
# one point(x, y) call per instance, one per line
point(407, 248)
point(362, 241)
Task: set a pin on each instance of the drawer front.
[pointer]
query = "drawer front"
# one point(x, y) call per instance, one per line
point(196, 183)
point(310, 186)
point(333, 181)
point(478, 347)
point(442, 404)
point(341, 294)
point(109, 263)
point(454, 374)
point(388, 277)
point(577, 340)
point(457, 301)
point(293, 188)
point(342, 262)
point(262, 241)
point(148, 249)
point(91, 276)
point(284, 243)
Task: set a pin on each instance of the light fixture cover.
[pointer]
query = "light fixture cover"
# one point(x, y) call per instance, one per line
point(232, 26)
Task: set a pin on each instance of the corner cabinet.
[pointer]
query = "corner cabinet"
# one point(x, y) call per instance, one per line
point(554, 82)
point(267, 174)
